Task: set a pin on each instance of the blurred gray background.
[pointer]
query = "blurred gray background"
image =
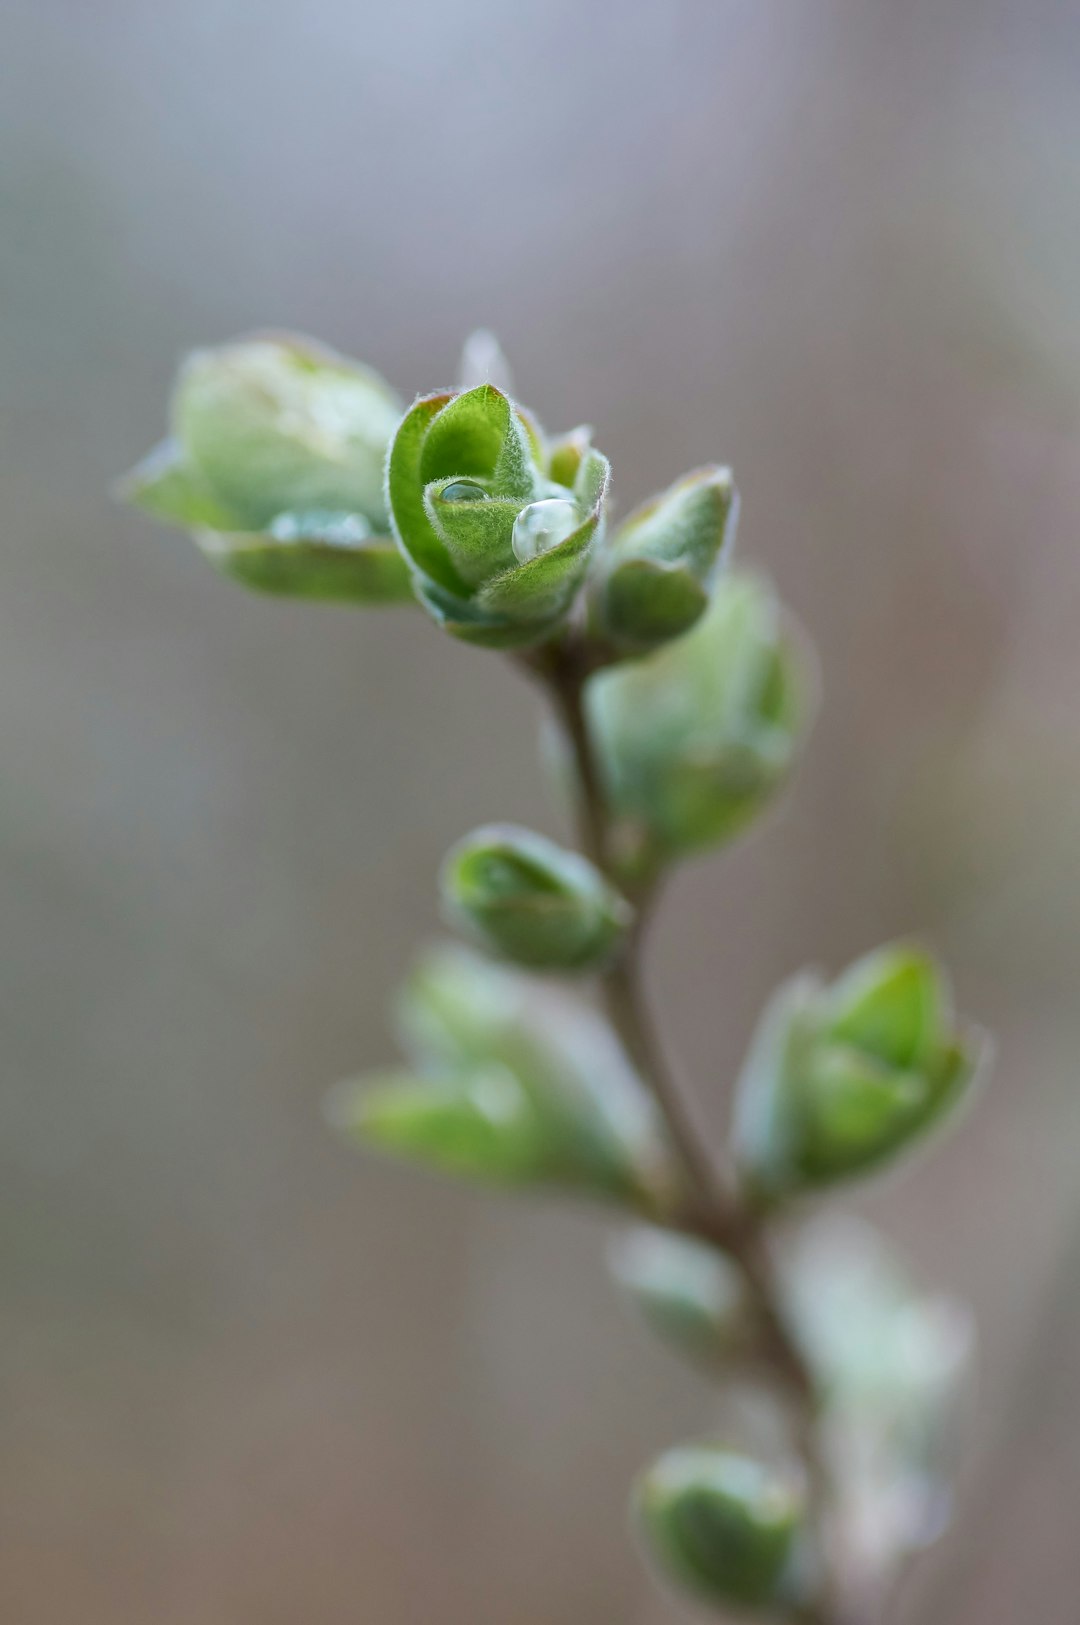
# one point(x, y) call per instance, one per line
point(247, 1378)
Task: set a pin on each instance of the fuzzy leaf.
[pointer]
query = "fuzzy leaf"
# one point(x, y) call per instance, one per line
point(405, 486)
point(841, 1080)
point(474, 511)
point(657, 572)
point(469, 622)
point(686, 1292)
point(461, 1015)
point(695, 738)
point(478, 535)
point(567, 454)
point(479, 1126)
point(166, 486)
point(858, 1112)
point(280, 424)
point(892, 1005)
point(649, 601)
point(314, 555)
point(539, 905)
point(723, 1526)
point(465, 440)
point(592, 480)
point(891, 1362)
point(541, 590)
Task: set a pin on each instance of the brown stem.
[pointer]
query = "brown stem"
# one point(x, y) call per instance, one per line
point(566, 682)
point(714, 1213)
point(624, 999)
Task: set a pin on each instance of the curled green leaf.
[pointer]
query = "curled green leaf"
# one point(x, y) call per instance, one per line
point(891, 1362)
point(536, 903)
point(477, 1125)
point(279, 424)
point(695, 739)
point(498, 546)
point(723, 1526)
point(686, 1292)
point(516, 1083)
point(655, 577)
point(313, 555)
point(842, 1079)
point(275, 462)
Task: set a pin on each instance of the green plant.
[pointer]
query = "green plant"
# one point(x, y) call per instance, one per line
point(682, 694)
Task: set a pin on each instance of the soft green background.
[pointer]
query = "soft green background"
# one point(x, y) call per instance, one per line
point(247, 1378)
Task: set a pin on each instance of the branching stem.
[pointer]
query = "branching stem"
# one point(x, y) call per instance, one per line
point(715, 1213)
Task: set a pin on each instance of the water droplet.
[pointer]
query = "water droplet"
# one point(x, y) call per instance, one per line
point(462, 491)
point(542, 526)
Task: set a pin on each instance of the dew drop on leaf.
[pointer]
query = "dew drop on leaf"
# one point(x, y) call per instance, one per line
point(462, 491)
point(542, 526)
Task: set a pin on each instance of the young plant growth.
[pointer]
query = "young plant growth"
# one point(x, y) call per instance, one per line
point(682, 695)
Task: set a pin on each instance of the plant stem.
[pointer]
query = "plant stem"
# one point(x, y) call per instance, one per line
point(715, 1213)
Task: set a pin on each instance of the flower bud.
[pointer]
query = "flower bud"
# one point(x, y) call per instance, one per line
point(686, 1292)
point(656, 573)
point(276, 463)
point(696, 738)
point(841, 1079)
point(513, 1083)
point(723, 1526)
point(522, 896)
point(498, 546)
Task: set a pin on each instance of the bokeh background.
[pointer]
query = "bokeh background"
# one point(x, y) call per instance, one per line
point(245, 1377)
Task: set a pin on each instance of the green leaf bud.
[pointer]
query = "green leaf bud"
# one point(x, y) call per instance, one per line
point(891, 1364)
point(522, 896)
point(481, 1125)
point(723, 1526)
point(498, 547)
point(842, 1079)
point(276, 463)
point(277, 425)
point(514, 1082)
point(655, 576)
point(696, 738)
point(686, 1292)
point(567, 453)
point(329, 556)
point(167, 486)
